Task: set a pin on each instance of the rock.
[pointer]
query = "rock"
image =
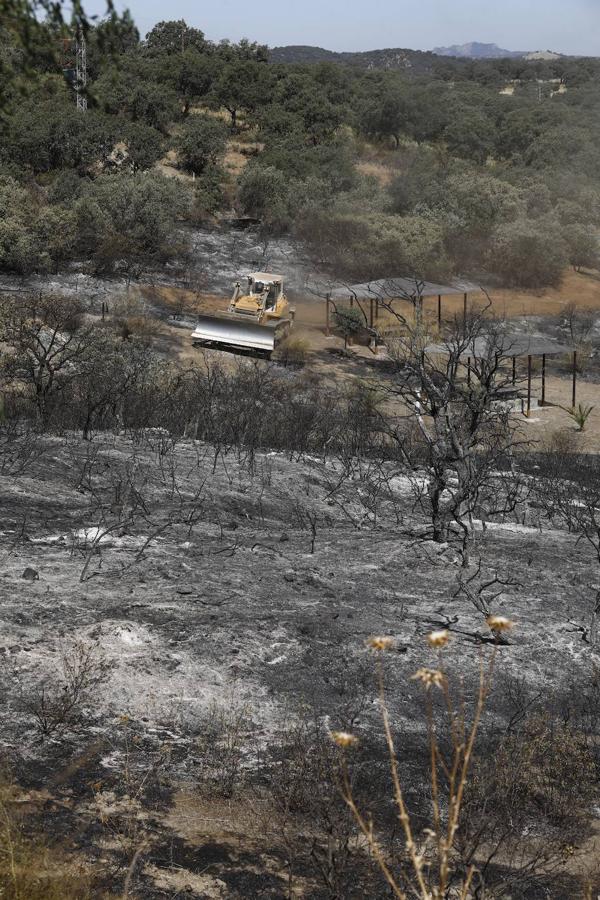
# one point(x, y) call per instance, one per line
point(30, 574)
point(289, 576)
point(284, 537)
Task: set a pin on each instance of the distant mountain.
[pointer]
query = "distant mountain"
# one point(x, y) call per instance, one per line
point(417, 61)
point(475, 50)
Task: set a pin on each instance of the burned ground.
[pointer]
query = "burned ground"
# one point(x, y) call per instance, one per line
point(233, 603)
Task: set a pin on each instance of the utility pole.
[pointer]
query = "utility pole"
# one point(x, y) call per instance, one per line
point(81, 71)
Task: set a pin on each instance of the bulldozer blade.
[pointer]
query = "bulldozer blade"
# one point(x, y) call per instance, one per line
point(234, 334)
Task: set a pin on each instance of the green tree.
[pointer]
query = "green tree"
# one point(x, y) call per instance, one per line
point(349, 321)
point(582, 246)
point(113, 36)
point(244, 50)
point(32, 237)
point(429, 112)
point(18, 247)
point(55, 235)
point(278, 124)
point(192, 74)
point(308, 102)
point(202, 142)
point(131, 218)
point(264, 193)
point(209, 196)
point(93, 223)
point(51, 134)
point(144, 144)
point(66, 187)
point(174, 37)
point(375, 246)
point(519, 129)
point(387, 115)
point(470, 135)
point(529, 254)
point(121, 93)
point(469, 207)
point(243, 86)
point(476, 201)
point(407, 245)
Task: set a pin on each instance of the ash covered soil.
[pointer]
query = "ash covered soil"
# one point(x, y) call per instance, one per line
point(196, 581)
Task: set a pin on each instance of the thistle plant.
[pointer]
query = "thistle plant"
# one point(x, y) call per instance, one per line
point(432, 864)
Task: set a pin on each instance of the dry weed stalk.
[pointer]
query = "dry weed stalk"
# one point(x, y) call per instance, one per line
point(432, 866)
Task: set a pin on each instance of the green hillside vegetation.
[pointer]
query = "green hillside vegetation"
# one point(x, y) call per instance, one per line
point(479, 182)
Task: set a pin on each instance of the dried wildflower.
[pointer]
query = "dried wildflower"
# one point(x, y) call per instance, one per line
point(438, 639)
point(429, 678)
point(343, 739)
point(499, 623)
point(380, 643)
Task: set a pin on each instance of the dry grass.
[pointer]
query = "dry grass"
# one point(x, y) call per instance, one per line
point(168, 167)
point(375, 169)
point(235, 162)
point(580, 287)
point(29, 869)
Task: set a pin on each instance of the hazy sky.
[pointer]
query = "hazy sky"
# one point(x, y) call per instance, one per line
point(569, 26)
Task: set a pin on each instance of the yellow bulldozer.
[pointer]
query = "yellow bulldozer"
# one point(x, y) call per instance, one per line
point(257, 319)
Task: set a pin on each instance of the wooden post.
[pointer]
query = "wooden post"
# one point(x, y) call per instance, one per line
point(351, 300)
point(528, 386)
point(514, 370)
point(543, 402)
point(376, 308)
point(327, 302)
point(371, 320)
point(465, 311)
point(440, 310)
point(574, 396)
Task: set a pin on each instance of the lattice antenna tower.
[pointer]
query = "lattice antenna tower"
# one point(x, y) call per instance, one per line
point(81, 71)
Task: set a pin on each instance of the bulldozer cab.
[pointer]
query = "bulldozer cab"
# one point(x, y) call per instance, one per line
point(266, 286)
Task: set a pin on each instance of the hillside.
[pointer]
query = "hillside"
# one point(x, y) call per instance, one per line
point(417, 61)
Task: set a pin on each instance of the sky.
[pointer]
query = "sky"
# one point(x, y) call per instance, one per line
point(567, 26)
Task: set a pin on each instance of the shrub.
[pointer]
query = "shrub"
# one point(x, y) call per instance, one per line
point(293, 352)
point(56, 706)
point(528, 254)
point(349, 321)
point(264, 194)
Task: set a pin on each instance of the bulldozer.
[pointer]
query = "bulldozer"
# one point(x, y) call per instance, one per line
point(257, 319)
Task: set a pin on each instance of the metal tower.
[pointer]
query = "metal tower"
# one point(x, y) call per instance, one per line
point(81, 71)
